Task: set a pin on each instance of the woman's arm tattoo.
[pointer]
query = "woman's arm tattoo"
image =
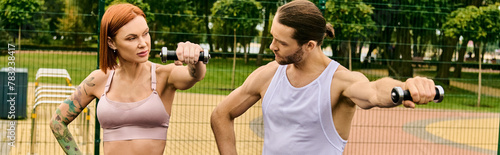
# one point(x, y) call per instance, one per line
point(62, 134)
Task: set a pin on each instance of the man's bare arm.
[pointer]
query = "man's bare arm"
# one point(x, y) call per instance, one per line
point(234, 105)
point(368, 94)
point(222, 119)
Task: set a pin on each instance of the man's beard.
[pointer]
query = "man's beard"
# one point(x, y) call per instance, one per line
point(295, 57)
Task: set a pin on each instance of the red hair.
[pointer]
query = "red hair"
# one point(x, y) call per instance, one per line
point(113, 19)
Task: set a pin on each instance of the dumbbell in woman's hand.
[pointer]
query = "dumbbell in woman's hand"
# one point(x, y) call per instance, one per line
point(165, 55)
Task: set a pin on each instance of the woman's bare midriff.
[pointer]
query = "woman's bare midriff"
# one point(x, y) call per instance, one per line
point(135, 147)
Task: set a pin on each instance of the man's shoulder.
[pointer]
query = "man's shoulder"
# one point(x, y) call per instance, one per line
point(260, 78)
point(343, 73)
point(271, 66)
point(343, 78)
point(266, 71)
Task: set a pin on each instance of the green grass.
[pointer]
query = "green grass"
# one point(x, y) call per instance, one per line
point(77, 65)
point(460, 99)
point(488, 79)
point(218, 77)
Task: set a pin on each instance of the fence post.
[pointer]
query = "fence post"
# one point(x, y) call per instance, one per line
point(234, 61)
point(97, 129)
point(322, 6)
point(33, 137)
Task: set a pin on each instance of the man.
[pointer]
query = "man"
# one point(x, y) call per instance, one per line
point(308, 100)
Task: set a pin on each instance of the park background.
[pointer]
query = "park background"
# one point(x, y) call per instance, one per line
point(453, 42)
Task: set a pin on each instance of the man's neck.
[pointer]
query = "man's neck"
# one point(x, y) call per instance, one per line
point(315, 61)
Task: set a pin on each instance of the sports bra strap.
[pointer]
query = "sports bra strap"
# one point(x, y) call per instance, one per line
point(111, 73)
point(153, 76)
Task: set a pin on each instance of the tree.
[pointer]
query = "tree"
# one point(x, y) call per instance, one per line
point(4, 39)
point(269, 7)
point(54, 8)
point(415, 27)
point(481, 25)
point(350, 21)
point(385, 22)
point(404, 27)
point(71, 25)
point(79, 23)
point(489, 21)
point(144, 6)
point(205, 12)
point(174, 21)
point(17, 13)
point(235, 18)
point(460, 22)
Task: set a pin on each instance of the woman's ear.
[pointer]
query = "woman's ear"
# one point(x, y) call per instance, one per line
point(111, 43)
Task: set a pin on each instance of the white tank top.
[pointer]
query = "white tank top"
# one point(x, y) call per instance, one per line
point(299, 120)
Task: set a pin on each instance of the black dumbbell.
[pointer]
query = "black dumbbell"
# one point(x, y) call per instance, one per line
point(398, 95)
point(165, 55)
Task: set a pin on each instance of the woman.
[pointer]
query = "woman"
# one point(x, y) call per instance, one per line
point(135, 95)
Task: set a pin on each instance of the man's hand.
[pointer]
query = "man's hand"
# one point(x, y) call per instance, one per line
point(422, 91)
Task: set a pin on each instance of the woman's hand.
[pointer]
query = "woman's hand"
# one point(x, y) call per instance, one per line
point(187, 53)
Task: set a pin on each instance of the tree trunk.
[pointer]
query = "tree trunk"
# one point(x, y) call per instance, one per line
point(338, 45)
point(477, 45)
point(153, 45)
point(443, 70)
point(483, 51)
point(245, 51)
point(335, 49)
point(416, 44)
point(264, 41)
point(354, 47)
point(225, 46)
point(368, 56)
point(345, 48)
point(402, 69)
point(461, 54)
point(423, 48)
point(19, 38)
point(387, 49)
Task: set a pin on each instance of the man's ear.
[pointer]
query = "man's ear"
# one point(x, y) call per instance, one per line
point(309, 46)
point(111, 43)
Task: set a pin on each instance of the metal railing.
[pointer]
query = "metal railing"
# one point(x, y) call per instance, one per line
point(46, 100)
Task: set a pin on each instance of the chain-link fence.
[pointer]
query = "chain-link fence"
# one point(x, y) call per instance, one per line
point(452, 42)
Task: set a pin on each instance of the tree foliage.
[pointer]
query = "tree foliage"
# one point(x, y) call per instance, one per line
point(4, 39)
point(54, 10)
point(174, 21)
point(235, 18)
point(489, 21)
point(461, 22)
point(482, 25)
point(350, 20)
point(16, 13)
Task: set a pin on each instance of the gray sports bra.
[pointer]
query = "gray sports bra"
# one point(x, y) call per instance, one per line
point(144, 119)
